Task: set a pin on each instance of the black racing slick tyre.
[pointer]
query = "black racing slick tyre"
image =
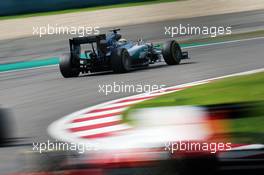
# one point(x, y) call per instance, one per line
point(172, 53)
point(121, 62)
point(67, 68)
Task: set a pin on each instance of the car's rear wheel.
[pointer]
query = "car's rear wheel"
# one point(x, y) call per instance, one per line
point(172, 53)
point(121, 61)
point(67, 67)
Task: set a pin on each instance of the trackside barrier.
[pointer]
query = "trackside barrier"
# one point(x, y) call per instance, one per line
point(13, 7)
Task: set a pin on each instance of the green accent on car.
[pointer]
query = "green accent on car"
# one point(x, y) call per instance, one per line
point(135, 51)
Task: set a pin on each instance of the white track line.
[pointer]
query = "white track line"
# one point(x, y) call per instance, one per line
point(59, 130)
point(119, 104)
point(90, 115)
point(249, 147)
point(225, 42)
point(94, 122)
point(107, 129)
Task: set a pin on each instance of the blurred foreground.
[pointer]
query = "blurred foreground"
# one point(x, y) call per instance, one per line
point(145, 150)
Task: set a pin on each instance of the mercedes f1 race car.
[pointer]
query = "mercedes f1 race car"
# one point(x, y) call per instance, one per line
point(112, 52)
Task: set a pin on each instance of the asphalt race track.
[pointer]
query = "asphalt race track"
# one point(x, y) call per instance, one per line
point(38, 97)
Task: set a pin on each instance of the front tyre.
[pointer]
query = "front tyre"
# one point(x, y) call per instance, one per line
point(67, 68)
point(172, 53)
point(121, 61)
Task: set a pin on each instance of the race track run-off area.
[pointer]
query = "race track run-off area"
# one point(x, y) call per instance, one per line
point(95, 124)
point(39, 97)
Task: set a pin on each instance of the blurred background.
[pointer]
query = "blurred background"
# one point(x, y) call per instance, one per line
point(14, 7)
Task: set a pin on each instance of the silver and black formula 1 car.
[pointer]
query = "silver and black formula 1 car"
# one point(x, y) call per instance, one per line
point(112, 52)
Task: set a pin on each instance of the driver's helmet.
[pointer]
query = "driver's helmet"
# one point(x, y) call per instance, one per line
point(122, 41)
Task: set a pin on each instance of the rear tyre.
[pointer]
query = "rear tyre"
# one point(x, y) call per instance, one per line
point(172, 53)
point(67, 67)
point(121, 61)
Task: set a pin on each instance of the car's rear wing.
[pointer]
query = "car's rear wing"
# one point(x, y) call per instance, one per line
point(76, 42)
point(87, 39)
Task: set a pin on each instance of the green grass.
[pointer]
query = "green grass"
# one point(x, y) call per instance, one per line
point(234, 89)
point(84, 9)
point(247, 88)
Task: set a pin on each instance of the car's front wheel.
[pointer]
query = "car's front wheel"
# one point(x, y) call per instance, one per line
point(121, 61)
point(67, 67)
point(172, 53)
